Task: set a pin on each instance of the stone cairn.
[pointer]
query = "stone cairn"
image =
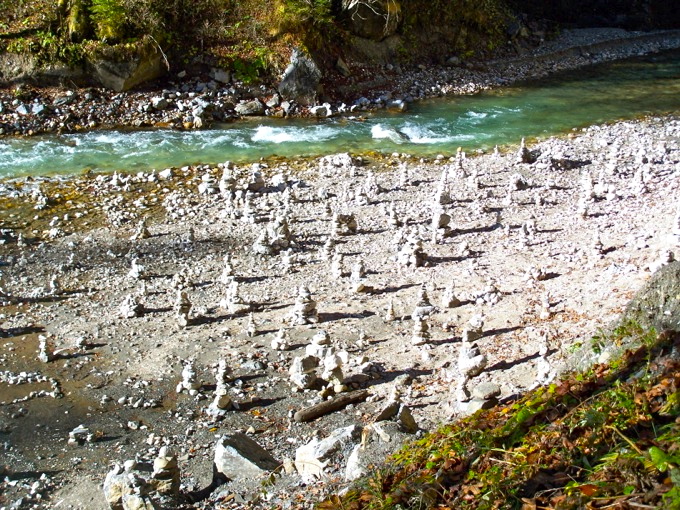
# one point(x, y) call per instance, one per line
point(424, 307)
point(222, 403)
point(390, 314)
point(343, 225)
point(471, 363)
point(232, 300)
point(281, 341)
point(251, 326)
point(337, 265)
point(189, 382)
point(182, 309)
point(421, 331)
point(358, 279)
point(449, 299)
point(328, 249)
point(131, 307)
point(227, 270)
point(411, 253)
point(227, 184)
point(208, 184)
point(141, 232)
point(440, 226)
point(303, 372)
point(46, 349)
point(523, 154)
point(137, 271)
point(320, 345)
point(304, 310)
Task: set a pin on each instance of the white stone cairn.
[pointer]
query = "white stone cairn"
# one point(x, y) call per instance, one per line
point(449, 299)
point(189, 381)
point(474, 329)
point(281, 341)
point(471, 363)
point(227, 184)
point(411, 253)
point(523, 154)
point(358, 278)
point(304, 310)
point(343, 225)
point(208, 184)
point(131, 307)
point(320, 345)
point(137, 271)
point(423, 306)
point(251, 326)
point(421, 331)
point(328, 249)
point(227, 270)
point(303, 372)
point(440, 226)
point(141, 232)
point(263, 244)
point(46, 349)
point(332, 373)
point(337, 265)
point(390, 314)
point(222, 402)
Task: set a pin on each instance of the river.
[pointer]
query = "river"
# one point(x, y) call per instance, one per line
point(534, 109)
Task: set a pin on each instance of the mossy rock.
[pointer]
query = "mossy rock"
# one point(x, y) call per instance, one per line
point(657, 304)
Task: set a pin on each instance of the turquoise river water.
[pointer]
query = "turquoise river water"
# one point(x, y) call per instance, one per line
point(602, 93)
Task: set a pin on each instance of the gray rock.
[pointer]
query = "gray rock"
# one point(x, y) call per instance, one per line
point(221, 76)
point(254, 107)
point(120, 76)
point(239, 457)
point(39, 109)
point(22, 109)
point(301, 79)
point(312, 458)
point(406, 420)
point(388, 412)
point(657, 304)
point(486, 391)
point(159, 103)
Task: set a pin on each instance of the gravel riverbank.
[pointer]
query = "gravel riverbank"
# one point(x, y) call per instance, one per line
point(543, 247)
point(196, 102)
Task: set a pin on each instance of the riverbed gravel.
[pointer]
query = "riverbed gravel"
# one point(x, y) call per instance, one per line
point(525, 250)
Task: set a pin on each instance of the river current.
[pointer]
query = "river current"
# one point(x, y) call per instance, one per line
point(534, 109)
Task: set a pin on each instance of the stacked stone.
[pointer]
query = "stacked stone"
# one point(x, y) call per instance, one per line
point(222, 401)
point(303, 372)
point(304, 310)
point(182, 309)
point(189, 382)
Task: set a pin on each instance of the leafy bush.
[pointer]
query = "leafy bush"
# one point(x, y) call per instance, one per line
point(109, 17)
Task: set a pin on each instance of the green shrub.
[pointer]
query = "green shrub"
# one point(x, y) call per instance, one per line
point(109, 18)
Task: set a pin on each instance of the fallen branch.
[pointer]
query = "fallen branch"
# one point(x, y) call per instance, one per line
point(328, 406)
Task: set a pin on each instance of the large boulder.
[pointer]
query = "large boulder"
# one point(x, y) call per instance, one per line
point(238, 457)
point(119, 71)
point(312, 458)
point(372, 19)
point(657, 304)
point(301, 79)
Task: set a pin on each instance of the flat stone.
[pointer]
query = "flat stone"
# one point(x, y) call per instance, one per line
point(239, 457)
point(486, 391)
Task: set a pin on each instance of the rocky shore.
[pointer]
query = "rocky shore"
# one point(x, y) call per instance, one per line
point(164, 331)
point(193, 102)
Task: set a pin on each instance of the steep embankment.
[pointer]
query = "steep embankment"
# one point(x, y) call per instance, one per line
point(122, 43)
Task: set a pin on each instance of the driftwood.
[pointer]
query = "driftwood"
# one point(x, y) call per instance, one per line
point(328, 406)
